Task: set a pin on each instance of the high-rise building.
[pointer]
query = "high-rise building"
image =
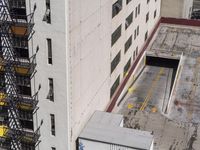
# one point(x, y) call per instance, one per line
point(86, 48)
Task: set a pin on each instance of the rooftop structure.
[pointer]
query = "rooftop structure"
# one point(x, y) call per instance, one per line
point(108, 128)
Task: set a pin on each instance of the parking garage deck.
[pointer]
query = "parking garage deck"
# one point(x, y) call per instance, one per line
point(165, 99)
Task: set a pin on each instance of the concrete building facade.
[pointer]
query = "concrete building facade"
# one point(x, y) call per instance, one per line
point(176, 8)
point(86, 49)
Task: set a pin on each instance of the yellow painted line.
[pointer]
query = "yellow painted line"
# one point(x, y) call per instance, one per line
point(131, 90)
point(150, 92)
point(130, 106)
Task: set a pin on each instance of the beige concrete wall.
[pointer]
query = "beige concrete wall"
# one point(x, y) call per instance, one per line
point(176, 8)
point(90, 40)
point(91, 52)
point(172, 8)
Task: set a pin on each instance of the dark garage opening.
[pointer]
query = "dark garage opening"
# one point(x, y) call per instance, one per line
point(164, 62)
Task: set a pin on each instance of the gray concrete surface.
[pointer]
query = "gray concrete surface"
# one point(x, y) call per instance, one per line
point(178, 129)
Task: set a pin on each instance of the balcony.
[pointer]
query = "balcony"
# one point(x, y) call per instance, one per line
point(28, 137)
point(2, 99)
point(21, 66)
point(3, 131)
point(27, 103)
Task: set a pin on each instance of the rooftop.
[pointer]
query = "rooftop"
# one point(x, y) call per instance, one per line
point(165, 97)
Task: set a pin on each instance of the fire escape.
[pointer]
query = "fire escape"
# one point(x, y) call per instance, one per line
point(17, 103)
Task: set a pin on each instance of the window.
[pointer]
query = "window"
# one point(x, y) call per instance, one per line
point(147, 17)
point(27, 124)
point(114, 86)
point(53, 148)
point(20, 42)
point(128, 44)
point(116, 8)
point(138, 30)
point(53, 131)
point(148, 1)
point(128, 1)
point(135, 34)
point(129, 20)
point(134, 56)
point(22, 52)
point(138, 9)
point(23, 84)
point(24, 90)
point(146, 36)
point(27, 146)
point(127, 66)
point(49, 47)
point(116, 35)
point(136, 50)
point(47, 15)
point(115, 61)
point(50, 95)
point(155, 12)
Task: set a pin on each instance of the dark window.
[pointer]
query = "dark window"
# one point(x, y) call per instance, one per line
point(53, 148)
point(135, 34)
point(114, 86)
point(146, 36)
point(128, 44)
point(155, 13)
point(116, 8)
point(18, 9)
point(129, 20)
point(138, 9)
point(22, 53)
point(116, 35)
point(18, 4)
point(49, 47)
point(23, 80)
point(26, 115)
point(20, 42)
point(148, 1)
point(53, 131)
point(127, 66)
point(147, 17)
point(27, 146)
point(24, 90)
point(128, 1)
point(27, 124)
point(134, 55)
point(50, 95)
point(115, 61)
point(136, 50)
point(47, 15)
point(138, 30)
